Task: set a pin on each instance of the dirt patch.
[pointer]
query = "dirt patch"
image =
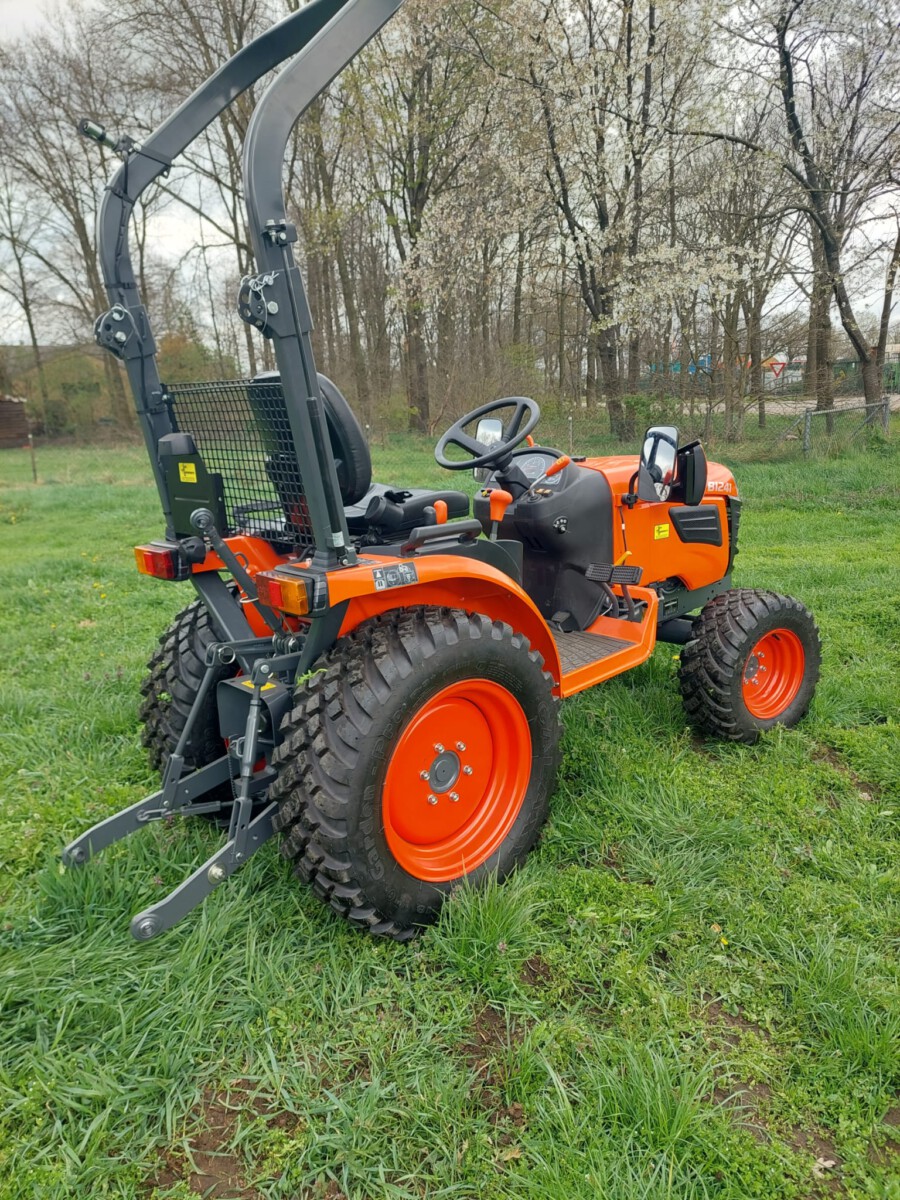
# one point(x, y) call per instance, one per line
point(827, 754)
point(887, 1152)
point(536, 973)
point(210, 1167)
point(735, 1024)
point(826, 1162)
point(747, 1104)
point(491, 1033)
point(744, 1102)
point(324, 1191)
point(612, 860)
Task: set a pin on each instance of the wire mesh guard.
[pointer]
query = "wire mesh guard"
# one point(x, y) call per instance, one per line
point(242, 432)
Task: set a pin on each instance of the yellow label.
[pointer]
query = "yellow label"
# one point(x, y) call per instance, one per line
point(187, 472)
point(661, 531)
point(266, 687)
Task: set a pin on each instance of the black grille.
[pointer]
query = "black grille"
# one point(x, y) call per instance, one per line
point(700, 524)
point(242, 432)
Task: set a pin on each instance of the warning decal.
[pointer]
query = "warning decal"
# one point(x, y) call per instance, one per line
point(187, 472)
point(661, 531)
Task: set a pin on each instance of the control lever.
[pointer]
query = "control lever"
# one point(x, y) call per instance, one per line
point(500, 502)
point(554, 469)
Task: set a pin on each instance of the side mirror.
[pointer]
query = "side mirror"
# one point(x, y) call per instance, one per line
point(488, 431)
point(656, 473)
point(692, 473)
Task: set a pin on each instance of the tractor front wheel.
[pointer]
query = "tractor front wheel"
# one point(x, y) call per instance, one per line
point(753, 662)
point(422, 752)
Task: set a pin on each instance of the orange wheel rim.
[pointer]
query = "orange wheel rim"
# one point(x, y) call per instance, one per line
point(773, 674)
point(456, 780)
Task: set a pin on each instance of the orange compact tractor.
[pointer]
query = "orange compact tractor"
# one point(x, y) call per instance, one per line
point(370, 671)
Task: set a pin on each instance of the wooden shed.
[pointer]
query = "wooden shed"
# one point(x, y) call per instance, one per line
point(13, 423)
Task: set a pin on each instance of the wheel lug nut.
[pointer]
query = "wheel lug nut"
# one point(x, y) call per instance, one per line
point(467, 770)
point(438, 748)
point(423, 775)
point(454, 796)
point(432, 800)
point(461, 746)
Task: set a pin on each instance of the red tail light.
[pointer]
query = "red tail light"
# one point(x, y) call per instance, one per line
point(162, 561)
point(282, 594)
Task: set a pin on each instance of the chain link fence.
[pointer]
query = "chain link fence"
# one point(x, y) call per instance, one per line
point(792, 430)
point(788, 428)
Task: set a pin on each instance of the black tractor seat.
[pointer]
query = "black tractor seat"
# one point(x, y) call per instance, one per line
point(384, 512)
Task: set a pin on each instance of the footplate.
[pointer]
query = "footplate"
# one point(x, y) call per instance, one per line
point(608, 573)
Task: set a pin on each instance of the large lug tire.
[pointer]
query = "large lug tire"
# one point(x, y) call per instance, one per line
point(176, 672)
point(422, 751)
point(753, 662)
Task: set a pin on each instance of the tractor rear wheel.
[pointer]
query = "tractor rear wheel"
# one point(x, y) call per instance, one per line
point(422, 751)
point(753, 662)
point(176, 672)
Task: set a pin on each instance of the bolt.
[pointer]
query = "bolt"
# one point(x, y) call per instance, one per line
point(121, 336)
point(432, 800)
point(282, 237)
point(454, 796)
point(424, 775)
point(216, 873)
point(146, 929)
point(272, 306)
point(438, 748)
point(461, 746)
point(117, 314)
point(467, 770)
point(265, 669)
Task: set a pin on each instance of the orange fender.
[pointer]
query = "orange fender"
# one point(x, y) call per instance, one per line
point(445, 581)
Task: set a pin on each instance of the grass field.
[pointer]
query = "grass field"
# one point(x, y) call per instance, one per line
point(690, 991)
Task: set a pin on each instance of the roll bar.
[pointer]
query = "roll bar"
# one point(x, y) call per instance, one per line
point(325, 35)
point(278, 290)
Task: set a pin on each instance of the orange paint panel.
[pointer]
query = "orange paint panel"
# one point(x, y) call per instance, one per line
point(655, 545)
point(255, 555)
point(650, 534)
point(445, 581)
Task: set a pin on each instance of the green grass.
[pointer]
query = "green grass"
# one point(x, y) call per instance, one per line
point(690, 991)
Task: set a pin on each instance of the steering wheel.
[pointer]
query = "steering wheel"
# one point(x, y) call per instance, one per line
point(526, 410)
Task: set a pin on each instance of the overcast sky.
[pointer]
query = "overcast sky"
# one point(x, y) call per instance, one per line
point(17, 16)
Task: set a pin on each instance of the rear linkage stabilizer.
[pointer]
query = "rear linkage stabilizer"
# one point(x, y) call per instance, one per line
point(182, 796)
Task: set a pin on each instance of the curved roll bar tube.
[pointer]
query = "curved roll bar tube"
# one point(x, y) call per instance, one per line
point(325, 35)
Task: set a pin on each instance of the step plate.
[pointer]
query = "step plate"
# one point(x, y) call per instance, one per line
point(581, 649)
